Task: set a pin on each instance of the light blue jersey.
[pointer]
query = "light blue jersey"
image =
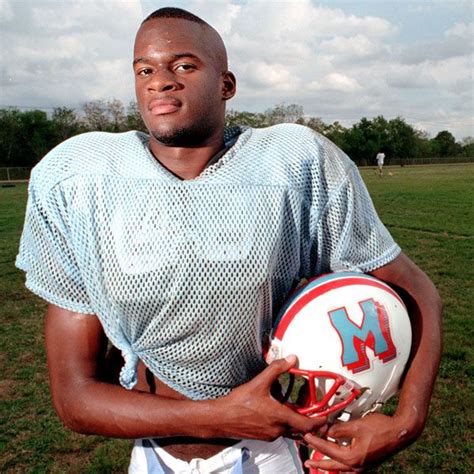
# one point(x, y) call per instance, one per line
point(187, 275)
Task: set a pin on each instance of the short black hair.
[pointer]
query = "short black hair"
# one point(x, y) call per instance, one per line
point(171, 12)
point(179, 13)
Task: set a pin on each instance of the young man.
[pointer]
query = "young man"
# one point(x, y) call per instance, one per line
point(380, 159)
point(179, 247)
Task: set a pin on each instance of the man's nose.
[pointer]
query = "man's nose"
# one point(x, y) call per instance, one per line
point(163, 81)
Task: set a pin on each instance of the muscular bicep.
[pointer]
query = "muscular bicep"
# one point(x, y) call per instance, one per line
point(75, 347)
point(400, 272)
point(412, 283)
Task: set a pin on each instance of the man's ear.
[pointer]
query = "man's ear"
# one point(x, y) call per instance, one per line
point(229, 85)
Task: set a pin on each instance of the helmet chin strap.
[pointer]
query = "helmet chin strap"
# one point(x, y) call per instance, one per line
point(377, 406)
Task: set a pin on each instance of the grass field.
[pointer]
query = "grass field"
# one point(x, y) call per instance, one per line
point(428, 209)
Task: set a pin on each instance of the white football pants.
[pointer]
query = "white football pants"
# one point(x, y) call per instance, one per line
point(246, 457)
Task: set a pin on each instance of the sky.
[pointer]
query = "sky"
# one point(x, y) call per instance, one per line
point(341, 60)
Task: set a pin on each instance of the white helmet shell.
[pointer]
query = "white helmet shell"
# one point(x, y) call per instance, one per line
point(351, 325)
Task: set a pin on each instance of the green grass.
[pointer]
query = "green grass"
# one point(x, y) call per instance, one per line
point(32, 438)
point(428, 209)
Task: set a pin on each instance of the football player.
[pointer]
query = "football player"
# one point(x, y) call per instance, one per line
point(179, 246)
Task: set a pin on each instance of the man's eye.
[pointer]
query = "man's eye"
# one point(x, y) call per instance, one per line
point(144, 72)
point(185, 67)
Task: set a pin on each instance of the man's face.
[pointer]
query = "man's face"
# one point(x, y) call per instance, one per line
point(180, 81)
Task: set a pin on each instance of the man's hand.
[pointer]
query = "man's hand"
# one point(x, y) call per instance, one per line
point(250, 411)
point(360, 444)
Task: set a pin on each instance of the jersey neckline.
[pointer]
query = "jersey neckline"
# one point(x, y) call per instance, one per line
point(234, 139)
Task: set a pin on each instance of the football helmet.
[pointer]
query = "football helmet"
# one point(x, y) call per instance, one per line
point(352, 336)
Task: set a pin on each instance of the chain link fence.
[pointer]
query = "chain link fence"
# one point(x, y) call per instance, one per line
point(429, 161)
point(12, 174)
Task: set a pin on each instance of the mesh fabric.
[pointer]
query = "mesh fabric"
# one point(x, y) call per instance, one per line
point(187, 275)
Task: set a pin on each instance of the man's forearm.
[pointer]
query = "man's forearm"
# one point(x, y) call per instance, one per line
point(418, 384)
point(425, 308)
point(94, 407)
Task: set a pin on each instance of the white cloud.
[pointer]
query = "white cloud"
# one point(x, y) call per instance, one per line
point(410, 76)
point(6, 11)
point(304, 21)
point(335, 82)
point(268, 77)
point(428, 6)
point(454, 74)
point(458, 40)
point(355, 48)
point(85, 15)
point(67, 53)
point(462, 30)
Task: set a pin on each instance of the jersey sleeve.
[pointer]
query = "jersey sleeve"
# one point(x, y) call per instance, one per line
point(349, 234)
point(45, 253)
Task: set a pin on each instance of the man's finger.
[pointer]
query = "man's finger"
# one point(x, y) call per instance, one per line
point(303, 424)
point(343, 430)
point(329, 448)
point(328, 465)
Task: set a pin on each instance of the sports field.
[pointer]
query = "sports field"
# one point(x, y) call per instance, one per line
point(428, 209)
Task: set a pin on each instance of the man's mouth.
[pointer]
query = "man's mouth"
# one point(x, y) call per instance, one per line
point(164, 106)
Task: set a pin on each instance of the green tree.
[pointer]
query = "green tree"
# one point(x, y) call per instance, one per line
point(363, 140)
point(105, 116)
point(249, 119)
point(10, 131)
point(337, 134)
point(467, 146)
point(134, 119)
point(38, 135)
point(25, 137)
point(283, 113)
point(445, 144)
point(422, 144)
point(117, 117)
point(65, 123)
point(400, 140)
point(95, 115)
point(315, 123)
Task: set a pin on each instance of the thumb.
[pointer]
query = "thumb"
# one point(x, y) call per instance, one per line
point(276, 368)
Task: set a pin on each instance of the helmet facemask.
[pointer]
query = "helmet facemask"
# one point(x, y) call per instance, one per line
point(317, 393)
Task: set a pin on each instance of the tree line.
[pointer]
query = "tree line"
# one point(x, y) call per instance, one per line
point(26, 136)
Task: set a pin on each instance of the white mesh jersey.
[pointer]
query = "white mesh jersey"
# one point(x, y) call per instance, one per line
point(186, 275)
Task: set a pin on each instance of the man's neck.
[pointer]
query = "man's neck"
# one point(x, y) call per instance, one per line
point(185, 163)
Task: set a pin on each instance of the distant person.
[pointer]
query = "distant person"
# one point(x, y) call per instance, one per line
point(380, 160)
point(180, 246)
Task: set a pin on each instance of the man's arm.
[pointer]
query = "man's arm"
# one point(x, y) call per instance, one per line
point(75, 346)
point(376, 437)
